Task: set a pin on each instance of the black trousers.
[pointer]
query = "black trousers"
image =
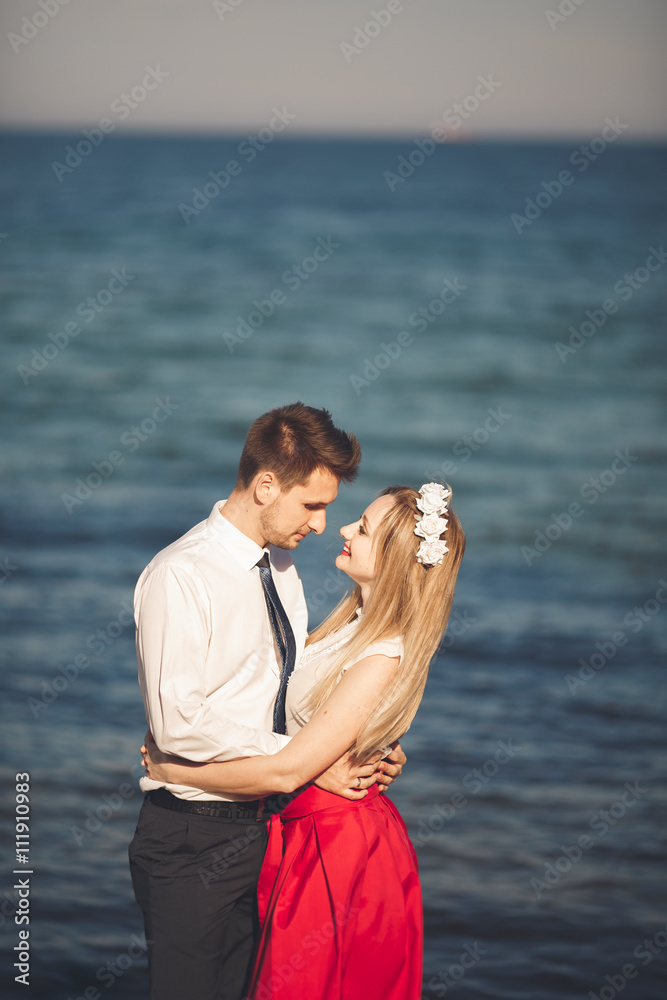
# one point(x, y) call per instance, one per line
point(195, 878)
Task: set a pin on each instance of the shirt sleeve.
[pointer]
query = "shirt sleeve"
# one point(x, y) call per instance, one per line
point(172, 612)
point(387, 647)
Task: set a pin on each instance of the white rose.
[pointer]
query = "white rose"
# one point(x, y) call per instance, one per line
point(433, 498)
point(431, 526)
point(431, 553)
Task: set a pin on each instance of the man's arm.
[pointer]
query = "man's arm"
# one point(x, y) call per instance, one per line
point(173, 630)
point(321, 742)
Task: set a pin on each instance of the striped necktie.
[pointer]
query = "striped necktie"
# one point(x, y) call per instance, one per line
point(284, 637)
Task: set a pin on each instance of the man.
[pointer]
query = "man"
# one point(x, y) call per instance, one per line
point(221, 620)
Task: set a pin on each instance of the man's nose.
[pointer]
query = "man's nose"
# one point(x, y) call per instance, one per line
point(318, 521)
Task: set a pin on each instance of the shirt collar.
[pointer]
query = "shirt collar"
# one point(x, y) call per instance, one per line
point(246, 552)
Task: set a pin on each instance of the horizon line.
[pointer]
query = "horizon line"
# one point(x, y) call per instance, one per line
point(207, 133)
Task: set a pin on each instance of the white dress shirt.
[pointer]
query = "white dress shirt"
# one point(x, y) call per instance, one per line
point(209, 668)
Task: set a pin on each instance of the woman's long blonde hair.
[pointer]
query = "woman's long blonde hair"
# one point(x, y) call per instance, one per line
point(409, 601)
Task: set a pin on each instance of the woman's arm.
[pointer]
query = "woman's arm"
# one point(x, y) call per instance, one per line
point(323, 740)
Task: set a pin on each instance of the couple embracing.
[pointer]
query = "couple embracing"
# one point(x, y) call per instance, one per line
point(266, 859)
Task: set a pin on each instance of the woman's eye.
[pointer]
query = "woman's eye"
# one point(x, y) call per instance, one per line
point(361, 530)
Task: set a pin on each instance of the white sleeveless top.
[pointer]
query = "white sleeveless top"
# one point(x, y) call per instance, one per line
point(317, 658)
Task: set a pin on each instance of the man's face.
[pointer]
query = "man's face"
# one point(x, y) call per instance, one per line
point(297, 512)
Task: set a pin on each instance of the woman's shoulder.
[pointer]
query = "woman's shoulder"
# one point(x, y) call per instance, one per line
point(385, 647)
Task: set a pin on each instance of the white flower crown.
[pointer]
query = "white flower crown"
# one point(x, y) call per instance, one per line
point(432, 502)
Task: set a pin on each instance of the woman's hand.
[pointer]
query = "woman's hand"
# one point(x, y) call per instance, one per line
point(159, 766)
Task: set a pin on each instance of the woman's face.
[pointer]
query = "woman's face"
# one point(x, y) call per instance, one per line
point(358, 556)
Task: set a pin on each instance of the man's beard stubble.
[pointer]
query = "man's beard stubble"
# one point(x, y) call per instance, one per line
point(273, 534)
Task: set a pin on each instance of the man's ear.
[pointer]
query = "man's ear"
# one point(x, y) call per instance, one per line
point(266, 487)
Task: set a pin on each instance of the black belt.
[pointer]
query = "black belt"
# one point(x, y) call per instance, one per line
point(257, 809)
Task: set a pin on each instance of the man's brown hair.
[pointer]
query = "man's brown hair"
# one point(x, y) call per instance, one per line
point(295, 440)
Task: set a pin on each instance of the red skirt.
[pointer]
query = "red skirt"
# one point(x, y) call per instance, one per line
point(339, 903)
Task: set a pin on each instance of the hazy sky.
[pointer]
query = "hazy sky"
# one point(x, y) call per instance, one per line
point(225, 65)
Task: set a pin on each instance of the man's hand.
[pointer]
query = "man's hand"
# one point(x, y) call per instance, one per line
point(353, 781)
point(390, 767)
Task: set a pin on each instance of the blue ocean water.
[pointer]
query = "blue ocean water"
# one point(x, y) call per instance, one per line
point(469, 323)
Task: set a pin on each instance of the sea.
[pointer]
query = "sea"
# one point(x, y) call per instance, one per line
point(488, 315)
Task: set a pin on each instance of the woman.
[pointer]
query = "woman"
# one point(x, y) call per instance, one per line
point(339, 895)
